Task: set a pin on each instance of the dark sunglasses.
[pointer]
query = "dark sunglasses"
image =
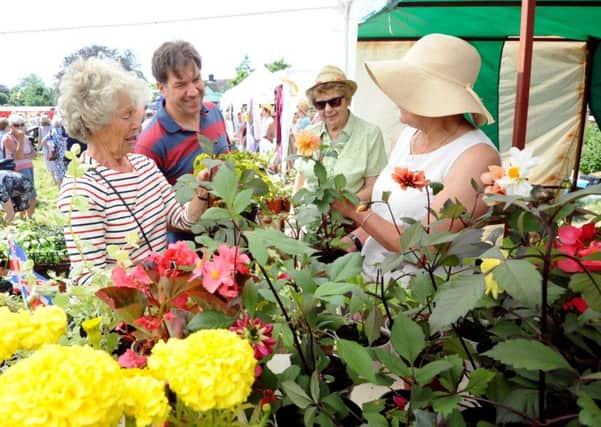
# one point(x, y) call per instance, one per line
point(17, 125)
point(333, 102)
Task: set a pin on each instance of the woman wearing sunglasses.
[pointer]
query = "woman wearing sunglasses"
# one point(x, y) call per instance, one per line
point(17, 146)
point(361, 154)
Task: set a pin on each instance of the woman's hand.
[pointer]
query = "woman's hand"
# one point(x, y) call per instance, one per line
point(204, 175)
point(346, 208)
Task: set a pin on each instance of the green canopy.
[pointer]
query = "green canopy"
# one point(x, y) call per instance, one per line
point(487, 24)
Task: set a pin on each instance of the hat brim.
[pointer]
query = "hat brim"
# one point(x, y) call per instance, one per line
point(413, 90)
point(350, 83)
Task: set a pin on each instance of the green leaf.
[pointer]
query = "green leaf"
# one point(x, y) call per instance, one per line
point(242, 200)
point(446, 405)
point(356, 358)
point(479, 380)
point(128, 303)
point(309, 416)
point(590, 415)
point(412, 236)
point(339, 182)
point(424, 419)
point(185, 187)
point(225, 185)
point(250, 296)
point(333, 288)
point(455, 299)
point(425, 374)
point(210, 319)
point(206, 144)
point(523, 400)
point(468, 243)
point(582, 284)
point(336, 403)
point(216, 214)
point(436, 187)
point(521, 280)
point(421, 286)
point(456, 419)
point(392, 362)
point(261, 239)
point(528, 354)
point(438, 237)
point(346, 267)
point(314, 387)
point(320, 173)
point(373, 324)
point(407, 338)
point(296, 394)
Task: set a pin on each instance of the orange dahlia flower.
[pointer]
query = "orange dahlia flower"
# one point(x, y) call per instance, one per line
point(409, 179)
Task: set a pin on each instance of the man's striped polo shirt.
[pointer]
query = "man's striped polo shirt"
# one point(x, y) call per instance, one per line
point(173, 148)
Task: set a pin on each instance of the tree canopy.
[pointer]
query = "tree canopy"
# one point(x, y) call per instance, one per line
point(30, 91)
point(127, 58)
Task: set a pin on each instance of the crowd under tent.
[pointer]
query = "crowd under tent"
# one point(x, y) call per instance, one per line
point(566, 68)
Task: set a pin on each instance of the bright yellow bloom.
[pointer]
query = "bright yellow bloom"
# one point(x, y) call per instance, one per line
point(92, 328)
point(210, 369)
point(62, 386)
point(144, 398)
point(492, 287)
point(307, 143)
point(28, 331)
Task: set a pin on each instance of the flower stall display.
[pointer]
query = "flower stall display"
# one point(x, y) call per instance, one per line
point(496, 324)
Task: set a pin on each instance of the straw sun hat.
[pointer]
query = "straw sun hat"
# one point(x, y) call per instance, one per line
point(433, 79)
point(329, 74)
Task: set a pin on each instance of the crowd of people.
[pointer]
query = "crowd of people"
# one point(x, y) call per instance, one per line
point(135, 155)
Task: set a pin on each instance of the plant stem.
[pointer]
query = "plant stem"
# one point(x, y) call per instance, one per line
point(547, 260)
point(464, 345)
point(287, 317)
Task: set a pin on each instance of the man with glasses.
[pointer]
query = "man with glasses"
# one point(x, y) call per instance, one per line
point(17, 146)
point(359, 144)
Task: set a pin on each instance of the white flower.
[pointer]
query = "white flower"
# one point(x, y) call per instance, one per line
point(515, 181)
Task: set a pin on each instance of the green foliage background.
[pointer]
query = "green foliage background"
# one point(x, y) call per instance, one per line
point(590, 160)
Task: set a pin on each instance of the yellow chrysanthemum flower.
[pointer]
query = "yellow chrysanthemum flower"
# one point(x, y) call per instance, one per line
point(28, 331)
point(492, 286)
point(144, 398)
point(210, 369)
point(62, 386)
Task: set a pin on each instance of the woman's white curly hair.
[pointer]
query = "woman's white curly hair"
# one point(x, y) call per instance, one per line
point(89, 93)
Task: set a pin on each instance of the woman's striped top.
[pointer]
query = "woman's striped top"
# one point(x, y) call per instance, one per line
point(106, 221)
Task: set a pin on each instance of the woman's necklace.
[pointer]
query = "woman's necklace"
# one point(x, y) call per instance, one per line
point(427, 150)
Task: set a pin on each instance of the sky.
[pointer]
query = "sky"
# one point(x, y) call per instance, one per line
point(306, 33)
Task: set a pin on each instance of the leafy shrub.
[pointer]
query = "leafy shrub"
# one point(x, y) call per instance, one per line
point(590, 160)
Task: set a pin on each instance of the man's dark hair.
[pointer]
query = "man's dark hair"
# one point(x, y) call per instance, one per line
point(173, 56)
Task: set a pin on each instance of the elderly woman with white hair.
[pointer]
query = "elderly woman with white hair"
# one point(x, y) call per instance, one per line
point(432, 86)
point(102, 105)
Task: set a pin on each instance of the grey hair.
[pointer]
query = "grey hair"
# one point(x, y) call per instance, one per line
point(90, 91)
point(173, 56)
point(326, 87)
point(16, 119)
point(57, 121)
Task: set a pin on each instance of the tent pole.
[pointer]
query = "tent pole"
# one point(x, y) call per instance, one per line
point(583, 115)
point(524, 69)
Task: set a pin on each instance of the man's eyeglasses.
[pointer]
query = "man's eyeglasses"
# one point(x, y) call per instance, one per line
point(19, 125)
point(332, 102)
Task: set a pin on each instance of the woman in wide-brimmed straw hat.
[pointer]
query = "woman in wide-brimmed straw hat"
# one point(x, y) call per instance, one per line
point(361, 154)
point(432, 84)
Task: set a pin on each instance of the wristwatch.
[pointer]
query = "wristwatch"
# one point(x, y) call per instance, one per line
point(356, 241)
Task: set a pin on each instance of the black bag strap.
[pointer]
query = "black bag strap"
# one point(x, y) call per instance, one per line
point(126, 207)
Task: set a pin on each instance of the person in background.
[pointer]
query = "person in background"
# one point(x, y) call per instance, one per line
point(267, 125)
point(360, 145)
point(303, 116)
point(102, 105)
point(4, 128)
point(172, 138)
point(16, 192)
point(148, 115)
point(433, 87)
point(18, 147)
point(46, 144)
point(58, 137)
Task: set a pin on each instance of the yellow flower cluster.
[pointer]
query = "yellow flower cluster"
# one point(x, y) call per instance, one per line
point(210, 369)
point(144, 398)
point(62, 386)
point(25, 330)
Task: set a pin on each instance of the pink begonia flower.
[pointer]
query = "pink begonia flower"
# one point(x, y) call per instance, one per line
point(400, 402)
point(178, 254)
point(578, 303)
point(284, 276)
point(130, 359)
point(233, 255)
point(215, 273)
point(578, 242)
